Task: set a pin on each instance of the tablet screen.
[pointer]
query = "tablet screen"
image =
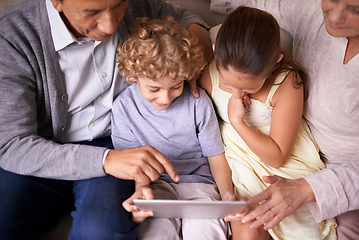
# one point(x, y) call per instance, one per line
point(191, 209)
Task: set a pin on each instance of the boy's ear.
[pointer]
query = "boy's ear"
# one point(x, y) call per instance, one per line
point(280, 57)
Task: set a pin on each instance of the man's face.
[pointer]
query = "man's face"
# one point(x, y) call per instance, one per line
point(95, 19)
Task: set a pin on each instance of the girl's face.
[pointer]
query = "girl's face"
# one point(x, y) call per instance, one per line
point(160, 93)
point(239, 84)
point(341, 17)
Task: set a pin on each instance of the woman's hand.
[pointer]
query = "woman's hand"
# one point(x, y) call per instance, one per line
point(138, 216)
point(280, 199)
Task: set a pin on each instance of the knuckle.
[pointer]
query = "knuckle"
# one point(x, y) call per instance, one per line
point(144, 155)
point(136, 170)
point(148, 148)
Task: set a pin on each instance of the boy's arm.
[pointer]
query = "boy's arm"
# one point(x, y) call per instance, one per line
point(212, 146)
point(222, 175)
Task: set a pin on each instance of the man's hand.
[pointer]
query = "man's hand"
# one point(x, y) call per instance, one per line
point(203, 38)
point(193, 86)
point(141, 164)
point(280, 199)
point(142, 192)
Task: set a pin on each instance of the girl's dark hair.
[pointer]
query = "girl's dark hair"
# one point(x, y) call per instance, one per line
point(249, 41)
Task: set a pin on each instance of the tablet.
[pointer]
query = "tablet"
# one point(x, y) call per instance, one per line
point(190, 209)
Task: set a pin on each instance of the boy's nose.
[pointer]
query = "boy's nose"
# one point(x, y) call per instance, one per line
point(165, 98)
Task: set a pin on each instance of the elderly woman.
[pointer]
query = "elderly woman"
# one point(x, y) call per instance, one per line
point(326, 43)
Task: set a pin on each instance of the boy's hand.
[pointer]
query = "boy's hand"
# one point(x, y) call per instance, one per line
point(138, 216)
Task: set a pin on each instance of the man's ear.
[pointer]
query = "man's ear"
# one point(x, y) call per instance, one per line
point(57, 5)
point(280, 57)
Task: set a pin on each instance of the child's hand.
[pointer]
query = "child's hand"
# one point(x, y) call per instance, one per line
point(138, 216)
point(229, 196)
point(238, 217)
point(237, 107)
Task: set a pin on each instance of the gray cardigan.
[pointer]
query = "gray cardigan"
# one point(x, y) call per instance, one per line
point(33, 96)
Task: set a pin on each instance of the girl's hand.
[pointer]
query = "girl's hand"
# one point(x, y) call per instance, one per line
point(229, 196)
point(239, 216)
point(138, 216)
point(237, 107)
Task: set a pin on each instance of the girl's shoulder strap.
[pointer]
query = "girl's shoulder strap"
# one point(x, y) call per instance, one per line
point(212, 68)
point(279, 79)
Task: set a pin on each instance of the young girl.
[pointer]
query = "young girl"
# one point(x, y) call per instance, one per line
point(258, 93)
point(159, 110)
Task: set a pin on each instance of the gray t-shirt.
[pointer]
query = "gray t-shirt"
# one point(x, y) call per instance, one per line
point(186, 132)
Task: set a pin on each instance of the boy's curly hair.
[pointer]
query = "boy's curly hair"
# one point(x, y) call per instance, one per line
point(160, 48)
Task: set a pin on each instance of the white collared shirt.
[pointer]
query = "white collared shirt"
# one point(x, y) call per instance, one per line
point(91, 78)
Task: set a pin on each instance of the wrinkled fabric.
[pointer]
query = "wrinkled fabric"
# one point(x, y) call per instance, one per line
point(332, 107)
point(248, 169)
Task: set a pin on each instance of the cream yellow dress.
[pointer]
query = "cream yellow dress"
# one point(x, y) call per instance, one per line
point(248, 169)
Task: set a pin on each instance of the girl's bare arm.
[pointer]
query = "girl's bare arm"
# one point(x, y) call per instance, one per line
point(286, 118)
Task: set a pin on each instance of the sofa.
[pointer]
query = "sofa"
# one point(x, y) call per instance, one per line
point(204, 9)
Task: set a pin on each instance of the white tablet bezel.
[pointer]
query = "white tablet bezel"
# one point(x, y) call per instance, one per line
point(190, 209)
